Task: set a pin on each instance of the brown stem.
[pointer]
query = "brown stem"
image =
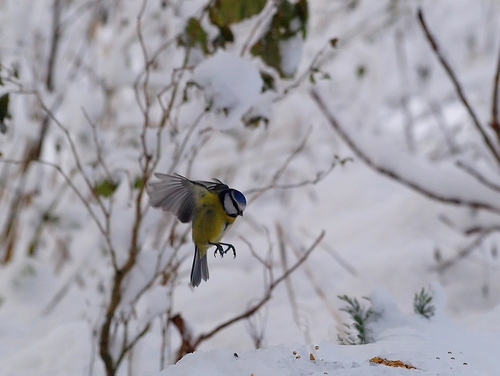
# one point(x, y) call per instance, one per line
point(104, 340)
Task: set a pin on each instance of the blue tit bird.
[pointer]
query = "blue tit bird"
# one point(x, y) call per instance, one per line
point(212, 207)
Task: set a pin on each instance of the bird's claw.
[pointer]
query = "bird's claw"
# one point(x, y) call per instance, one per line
point(230, 247)
point(219, 248)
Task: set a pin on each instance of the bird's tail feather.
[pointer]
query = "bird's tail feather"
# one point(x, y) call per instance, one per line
point(199, 270)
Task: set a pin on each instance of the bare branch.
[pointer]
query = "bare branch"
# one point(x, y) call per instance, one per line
point(458, 88)
point(495, 124)
point(56, 35)
point(320, 175)
point(392, 174)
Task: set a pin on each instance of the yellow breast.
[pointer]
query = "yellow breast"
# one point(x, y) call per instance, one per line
point(210, 221)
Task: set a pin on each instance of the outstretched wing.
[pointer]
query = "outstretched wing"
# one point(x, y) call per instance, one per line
point(175, 194)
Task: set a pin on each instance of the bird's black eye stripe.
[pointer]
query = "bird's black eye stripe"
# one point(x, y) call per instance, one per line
point(236, 206)
point(235, 203)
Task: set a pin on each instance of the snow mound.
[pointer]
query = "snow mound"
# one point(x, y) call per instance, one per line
point(434, 347)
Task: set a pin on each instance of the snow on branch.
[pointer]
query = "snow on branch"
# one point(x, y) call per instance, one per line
point(442, 182)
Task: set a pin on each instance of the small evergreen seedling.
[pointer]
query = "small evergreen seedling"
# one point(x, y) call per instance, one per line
point(361, 316)
point(422, 304)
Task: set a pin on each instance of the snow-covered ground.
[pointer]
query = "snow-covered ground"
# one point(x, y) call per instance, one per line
point(380, 237)
point(437, 347)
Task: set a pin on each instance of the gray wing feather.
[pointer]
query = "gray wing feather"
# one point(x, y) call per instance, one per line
point(175, 194)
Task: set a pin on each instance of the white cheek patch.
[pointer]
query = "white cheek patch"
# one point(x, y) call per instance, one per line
point(229, 205)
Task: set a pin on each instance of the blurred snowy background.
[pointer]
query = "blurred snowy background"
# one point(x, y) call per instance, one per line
point(97, 95)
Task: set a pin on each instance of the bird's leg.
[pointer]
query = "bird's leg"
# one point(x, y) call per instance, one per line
point(221, 250)
point(218, 248)
point(229, 247)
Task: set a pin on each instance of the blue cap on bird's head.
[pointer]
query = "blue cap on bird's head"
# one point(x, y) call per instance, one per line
point(234, 202)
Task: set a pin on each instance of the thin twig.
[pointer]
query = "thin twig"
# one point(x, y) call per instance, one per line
point(61, 293)
point(267, 263)
point(255, 254)
point(289, 287)
point(481, 232)
point(402, 63)
point(437, 111)
point(56, 36)
point(74, 152)
point(458, 88)
point(464, 252)
point(478, 176)
point(320, 175)
point(332, 252)
point(281, 170)
point(179, 150)
point(263, 17)
point(313, 66)
point(132, 343)
point(327, 301)
point(195, 150)
point(95, 138)
point(103, 229)
point(147, 64)
point(73, 187)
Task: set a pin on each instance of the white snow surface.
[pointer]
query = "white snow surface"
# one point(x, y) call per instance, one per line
point(433, 347)
point(381, 237)
point(439, 347)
